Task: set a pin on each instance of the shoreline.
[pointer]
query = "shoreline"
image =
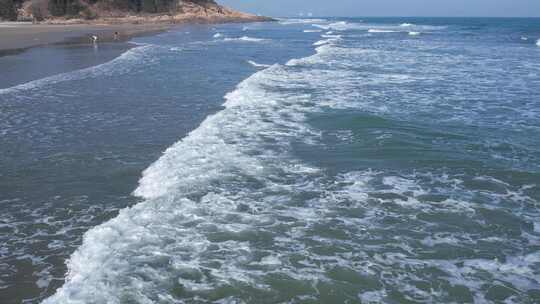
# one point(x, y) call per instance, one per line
point(17, 37)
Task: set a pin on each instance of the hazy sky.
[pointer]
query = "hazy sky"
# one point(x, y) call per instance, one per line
point(480, 8)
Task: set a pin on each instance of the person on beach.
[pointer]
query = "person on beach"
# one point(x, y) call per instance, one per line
point(94, 39)
point(116, 35)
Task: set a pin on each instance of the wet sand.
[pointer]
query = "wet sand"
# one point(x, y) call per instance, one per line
point(16, 36)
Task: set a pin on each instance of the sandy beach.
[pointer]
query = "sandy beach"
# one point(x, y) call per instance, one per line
point(17, 36)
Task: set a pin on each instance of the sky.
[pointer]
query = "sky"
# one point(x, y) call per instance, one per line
point(402, 8)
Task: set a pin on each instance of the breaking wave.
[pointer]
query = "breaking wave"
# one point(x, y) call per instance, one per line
point(338, 26)
point(247, 142)
point(377, 28)
point(258, 65)
point(246, 39)
point(216, 198)
point(300, 21)
point(381, 31)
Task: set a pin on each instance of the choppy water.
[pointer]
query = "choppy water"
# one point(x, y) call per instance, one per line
point(353, 161)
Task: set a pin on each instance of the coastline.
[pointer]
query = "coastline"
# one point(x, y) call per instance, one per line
point(16, 37)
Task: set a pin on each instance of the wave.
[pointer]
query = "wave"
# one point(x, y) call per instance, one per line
point(119, 65)
point(538, 42)
point(381, 31)
point(218, 35)
point(235, 182)
point(414, 33)
point(258, 65)
point(327, 41)
point(300, 21)
point(312, 31)
point(331, 36)
point(191, 192)
point(337, 26)
point(379, 28)
point(322, 42)
point(246, 39)
point(246, 142)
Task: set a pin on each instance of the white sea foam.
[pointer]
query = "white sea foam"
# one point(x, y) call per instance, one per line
point(538, 42)
point(300, 21)
point(246, 39)
point(345, 26)
point(315, 59)
point(414, 33)
point(373, 297)
point(326, 41)
point(258, 65)
point(337, 26)
point(233, 183)
point(312, 31)
point(381, 31)
point(120, 65)
point(331, 36)
point(218, 35)
point(406, 24)
point(219, 151)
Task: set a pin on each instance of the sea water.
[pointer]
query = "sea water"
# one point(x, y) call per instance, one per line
point(303, 161)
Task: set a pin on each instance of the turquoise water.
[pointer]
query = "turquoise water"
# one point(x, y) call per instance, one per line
point(389, 160)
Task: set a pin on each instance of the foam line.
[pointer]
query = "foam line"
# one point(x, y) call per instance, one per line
point(119, 65)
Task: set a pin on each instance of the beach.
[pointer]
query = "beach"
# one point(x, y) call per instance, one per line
point(17, 36)
point(106, 21)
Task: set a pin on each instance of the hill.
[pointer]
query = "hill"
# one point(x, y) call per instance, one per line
point(121, 11)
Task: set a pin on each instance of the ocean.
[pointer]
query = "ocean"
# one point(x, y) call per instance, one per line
point(331, 160)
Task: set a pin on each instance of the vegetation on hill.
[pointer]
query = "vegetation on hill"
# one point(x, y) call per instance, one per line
point(90, 9)
point(7, 10)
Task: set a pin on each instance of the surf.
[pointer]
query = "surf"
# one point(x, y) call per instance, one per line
point(246, 39)
point(258, 65)
point(221, 150)
point(381, 31)
point(242, 201)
